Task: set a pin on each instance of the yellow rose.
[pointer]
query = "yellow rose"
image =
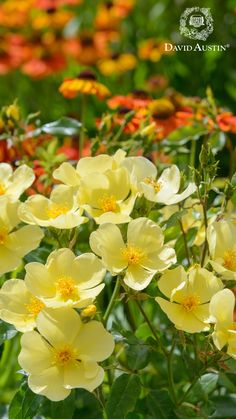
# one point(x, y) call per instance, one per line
point(13, 184)
point(165, 189)
point(222, 246)
point(18, 306)
point(15, 243)
point(141, 257)
point(66, 280)
point(107, 196)
point(70, 176)
point(61, 210)
point(189, 295)
point(64, 354)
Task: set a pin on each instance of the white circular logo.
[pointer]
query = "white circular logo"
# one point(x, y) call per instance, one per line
point(196, 23)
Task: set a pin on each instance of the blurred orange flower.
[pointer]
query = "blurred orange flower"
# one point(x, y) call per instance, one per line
point(86, 84)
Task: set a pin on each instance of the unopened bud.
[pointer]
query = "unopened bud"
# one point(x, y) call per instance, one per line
point(89, 311)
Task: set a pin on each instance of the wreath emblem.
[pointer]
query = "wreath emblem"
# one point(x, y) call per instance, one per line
point(196, 23)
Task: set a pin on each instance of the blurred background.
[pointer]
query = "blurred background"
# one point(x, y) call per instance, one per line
point(44, 41)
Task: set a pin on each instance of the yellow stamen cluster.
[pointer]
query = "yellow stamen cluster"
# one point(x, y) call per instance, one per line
point(3, 235)
point(133, 255)
point(156, 185)
point(230, 259)
point(64, 355)
point(191, 302)
point(108, 204)
point(2, 189)
point(66, 288)
point(55, 210)
point(89, 311)
point(35, 306)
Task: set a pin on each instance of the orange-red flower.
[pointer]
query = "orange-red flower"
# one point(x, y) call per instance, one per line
point(227, 122)
point(85, 84)
point(136, 100)
point(117, 64)
point(152, 50)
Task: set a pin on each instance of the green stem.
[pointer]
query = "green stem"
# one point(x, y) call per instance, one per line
point(193, 153)
point(112, 300)
point(185, 242)
point(83, 121)
point(166, 353)
point(170, 374)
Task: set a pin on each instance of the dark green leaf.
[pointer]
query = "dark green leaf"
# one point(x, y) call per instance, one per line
point(137, 356)
point(7, 331)
point(25, 404)
point(124, 394)
point(63, 409)
point(160, 405)
point(225, 407)
point(64, 126)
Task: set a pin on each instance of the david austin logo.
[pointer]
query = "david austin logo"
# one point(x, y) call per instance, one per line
point(196, 23)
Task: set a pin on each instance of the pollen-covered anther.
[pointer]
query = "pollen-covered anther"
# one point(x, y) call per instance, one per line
point(108, 204)
point(230, 259)
point(152, 182)
point(191, 302)
point(133, 255)
point(64, 355)
point(35, 306)
point(66, 288)
point(2, 189)
point(3, 235)
point(55, 210)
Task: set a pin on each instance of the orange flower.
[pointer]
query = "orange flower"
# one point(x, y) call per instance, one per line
point(117, 64)
point(86, 84)
point(152, 50)
point(136, 100)
point(227, 122)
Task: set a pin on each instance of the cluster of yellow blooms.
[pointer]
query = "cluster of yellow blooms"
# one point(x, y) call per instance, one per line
point(59, 350)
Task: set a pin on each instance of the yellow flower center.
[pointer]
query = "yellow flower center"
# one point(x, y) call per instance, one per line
point(66, 288)
point(2, 189)
point(133, 255)
point(230, 259)
point(3, 235)
point(191, 302)
point(156, 185)
point(55, 210)
point(108, 204)
point(64, 355)
point(35, 306)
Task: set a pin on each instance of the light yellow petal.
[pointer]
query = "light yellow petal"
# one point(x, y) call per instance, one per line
point(59, 263)
point(22, 178)
point(24, 240)
point(59, 326)
point(5, 172)
point(112, 217)
point(145, 234)
point(88, 270)
point(39, 281)
point(36, 354)
point(75, 376)
point(67, 174)
point(119, 183)
point(107, 242)
point(137, 277)
point(50, 384)
point(204, 284)
point(97, 164)
point(171, 279)
point(222, 306)
point(9, 260)
point(94, 341)
point(182, 319)
point(161, 260)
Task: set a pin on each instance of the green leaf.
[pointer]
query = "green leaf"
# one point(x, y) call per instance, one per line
point(184, 134)
point(63, 409)
point(174, 218)
point(137, 356)
point(124, 395)
point(63, 126)
point(7, 332)
point(208, 382)
point(225, 407)
point(25, 404)
point(160, 405)
point(217, 141)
